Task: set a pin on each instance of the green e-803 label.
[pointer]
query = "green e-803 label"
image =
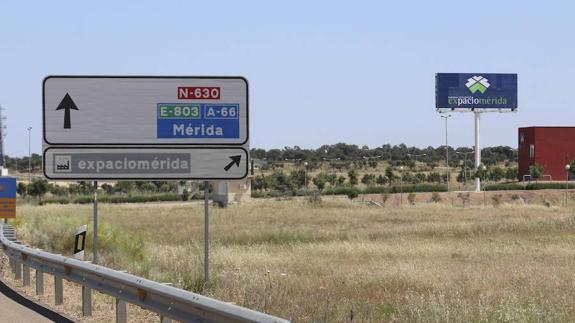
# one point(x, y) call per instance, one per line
point(179, 111)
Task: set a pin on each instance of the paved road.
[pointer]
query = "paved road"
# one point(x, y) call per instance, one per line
point(14, 308)
point(11, 311)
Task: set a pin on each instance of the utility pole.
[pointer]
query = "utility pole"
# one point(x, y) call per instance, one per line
point(29, 159)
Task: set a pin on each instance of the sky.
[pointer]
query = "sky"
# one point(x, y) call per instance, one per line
point(320, 72)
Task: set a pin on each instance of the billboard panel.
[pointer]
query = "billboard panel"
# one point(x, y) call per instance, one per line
point(469, 91)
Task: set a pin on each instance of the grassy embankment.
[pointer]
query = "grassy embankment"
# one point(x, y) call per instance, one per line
point(340, 260)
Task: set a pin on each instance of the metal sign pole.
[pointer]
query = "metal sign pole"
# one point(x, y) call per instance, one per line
point(95, 247)
point(206, 234)
point(477, 151)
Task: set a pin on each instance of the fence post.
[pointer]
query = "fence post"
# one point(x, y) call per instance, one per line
point(121, 311)
point(58, 291)
point(39, 282)
point(86, 301)
point(26, 274)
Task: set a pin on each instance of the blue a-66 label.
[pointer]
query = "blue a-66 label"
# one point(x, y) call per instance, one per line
point(198, 120)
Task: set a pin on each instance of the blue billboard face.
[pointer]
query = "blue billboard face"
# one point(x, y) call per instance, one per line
point(475, 91)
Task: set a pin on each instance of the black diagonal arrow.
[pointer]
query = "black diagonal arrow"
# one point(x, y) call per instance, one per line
point(67, 104)
point(235, 160)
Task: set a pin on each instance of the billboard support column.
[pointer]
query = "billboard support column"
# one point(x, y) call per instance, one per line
point(477, 151)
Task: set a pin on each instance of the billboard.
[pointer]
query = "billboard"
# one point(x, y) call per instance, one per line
point(470, 91)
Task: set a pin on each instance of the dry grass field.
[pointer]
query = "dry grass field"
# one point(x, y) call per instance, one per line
point(339, 261)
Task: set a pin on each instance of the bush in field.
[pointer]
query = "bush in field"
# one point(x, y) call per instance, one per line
point(21, 189)
point(411, 198)
point(314, 198)
point(435, 197)
point(353, 193)
point(38, 188)
point(496, 200)
point(536, 171)
point(352, 175)
point(320, 180)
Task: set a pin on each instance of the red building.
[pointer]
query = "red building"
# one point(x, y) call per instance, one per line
point(551, 147)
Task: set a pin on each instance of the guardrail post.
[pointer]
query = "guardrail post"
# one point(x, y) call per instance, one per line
point(39, 282)
point(164, 319)
point(86, 301)
point(26, 275)
point(58, 291)
point(12, 266)
point(17, 270)
point(121, 311)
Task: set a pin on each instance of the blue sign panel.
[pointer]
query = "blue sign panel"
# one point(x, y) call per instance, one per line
point(198, 120)
point(7, 187)
point(475, 91)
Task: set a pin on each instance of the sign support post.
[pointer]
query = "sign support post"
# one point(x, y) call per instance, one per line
point(477, 151)
point(95, 244)
point(206, 234)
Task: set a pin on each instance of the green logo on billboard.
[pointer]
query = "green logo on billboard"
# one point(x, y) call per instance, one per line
point(477, 83)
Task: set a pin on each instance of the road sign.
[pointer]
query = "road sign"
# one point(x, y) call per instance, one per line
point(146, 163)
point(7, 197)
point(471, 91)
point(135, 111)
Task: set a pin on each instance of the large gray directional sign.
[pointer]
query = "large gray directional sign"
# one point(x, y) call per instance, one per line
point(146, 163)
point(145, 110)
point(120, 127)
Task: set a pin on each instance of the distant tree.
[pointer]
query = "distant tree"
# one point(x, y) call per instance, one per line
point(511, 173)
point(352, 175)
point(496, 174)
point(259, 183)
point(536, 171)
point(381, 179)
point(320, 180)
point(38, 188)
point(21, 189)
point(340, 180)
point(109, 189)
point(57, 190)
point(148, 187)
point(389, 174)
point(368, 179)
point(332, 179)
point(434, 177)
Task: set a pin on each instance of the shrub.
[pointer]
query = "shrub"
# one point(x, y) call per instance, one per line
point(411, 198)
point(496, 200)
point(435, 197)
point(314, 198)
point(353, 193)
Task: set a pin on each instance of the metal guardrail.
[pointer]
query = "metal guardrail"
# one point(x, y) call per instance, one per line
point(169, 302)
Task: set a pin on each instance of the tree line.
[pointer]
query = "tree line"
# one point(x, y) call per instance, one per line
point(395, 155)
